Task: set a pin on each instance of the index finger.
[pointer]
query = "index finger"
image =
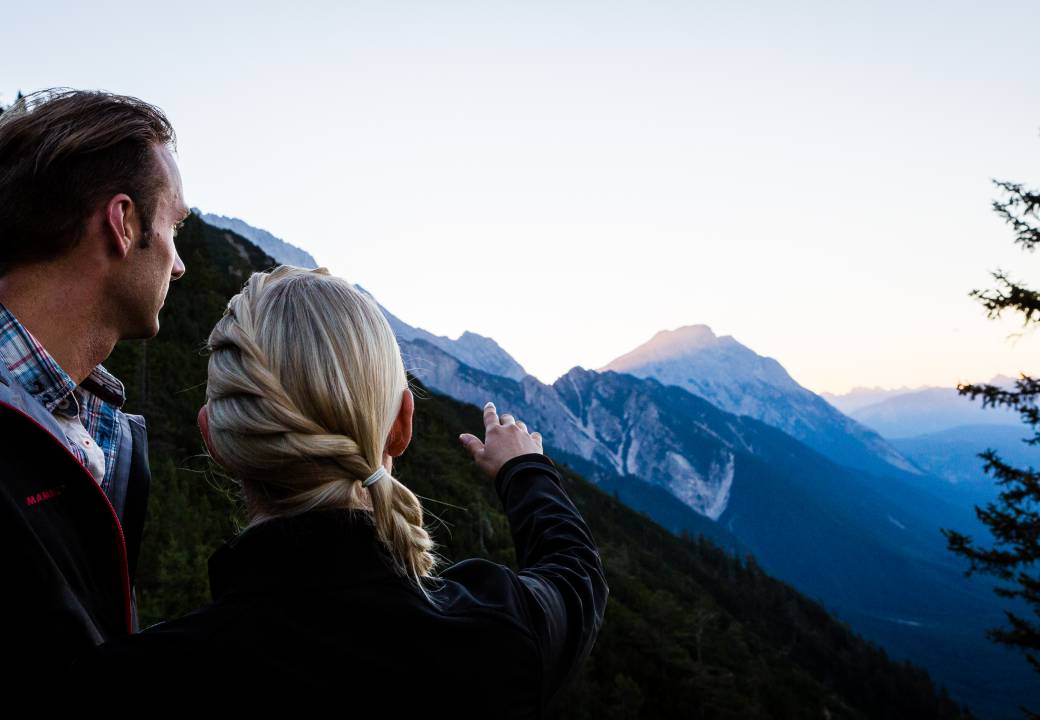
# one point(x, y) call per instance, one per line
point(490, 415)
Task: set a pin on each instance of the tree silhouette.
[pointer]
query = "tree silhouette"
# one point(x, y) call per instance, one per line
point(1014, 518)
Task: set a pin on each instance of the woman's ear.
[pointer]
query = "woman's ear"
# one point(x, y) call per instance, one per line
point(204, 429)
point(401, 432)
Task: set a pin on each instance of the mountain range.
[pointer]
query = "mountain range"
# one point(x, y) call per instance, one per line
point(921, 411)
point(736, 379)
point(691, 630)
point(472, 349)
point(708, 438)
point(843, 514)
point(275, 247)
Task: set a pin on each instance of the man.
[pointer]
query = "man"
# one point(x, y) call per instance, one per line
point(90, 198)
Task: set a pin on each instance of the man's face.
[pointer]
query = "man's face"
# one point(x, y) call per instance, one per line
point(154, 266)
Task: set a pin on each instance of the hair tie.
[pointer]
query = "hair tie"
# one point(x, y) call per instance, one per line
point(374, 477)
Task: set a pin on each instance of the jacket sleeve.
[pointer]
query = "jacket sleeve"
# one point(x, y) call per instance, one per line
point(561, 581)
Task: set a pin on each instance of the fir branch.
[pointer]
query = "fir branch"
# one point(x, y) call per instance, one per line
point(1009, 295)
point(1021, 206)
point(1022, 399)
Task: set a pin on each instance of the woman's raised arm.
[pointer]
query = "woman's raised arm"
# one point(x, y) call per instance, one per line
point(561, 585)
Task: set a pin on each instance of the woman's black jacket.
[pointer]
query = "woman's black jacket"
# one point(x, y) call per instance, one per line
point(307, 609)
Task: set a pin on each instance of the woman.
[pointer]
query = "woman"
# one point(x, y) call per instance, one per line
point(330, 592)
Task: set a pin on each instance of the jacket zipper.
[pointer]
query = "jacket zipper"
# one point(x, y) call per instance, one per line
point(123, 566)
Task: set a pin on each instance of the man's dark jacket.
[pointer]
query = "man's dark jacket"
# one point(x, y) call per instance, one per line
point(68, 551)
point(307, 610)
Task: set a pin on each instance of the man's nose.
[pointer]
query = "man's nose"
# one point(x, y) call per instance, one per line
point(178, 268)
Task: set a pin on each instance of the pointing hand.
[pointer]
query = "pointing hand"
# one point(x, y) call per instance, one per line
point(504, 439)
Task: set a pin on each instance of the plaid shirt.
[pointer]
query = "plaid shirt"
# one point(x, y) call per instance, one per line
point(96, 401)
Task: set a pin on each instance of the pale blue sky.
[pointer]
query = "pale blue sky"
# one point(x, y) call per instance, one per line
point(569, 178)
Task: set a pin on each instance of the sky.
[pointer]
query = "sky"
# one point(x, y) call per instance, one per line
point(569, 178)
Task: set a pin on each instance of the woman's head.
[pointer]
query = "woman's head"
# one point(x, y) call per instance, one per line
point(307, 397)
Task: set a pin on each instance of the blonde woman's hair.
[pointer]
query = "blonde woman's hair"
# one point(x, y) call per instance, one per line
point(305, 382)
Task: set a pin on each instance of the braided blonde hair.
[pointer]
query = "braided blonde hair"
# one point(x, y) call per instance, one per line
point(305, 383)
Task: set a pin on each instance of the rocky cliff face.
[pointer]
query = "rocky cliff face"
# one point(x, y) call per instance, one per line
point(738, 380)
point(611, 419)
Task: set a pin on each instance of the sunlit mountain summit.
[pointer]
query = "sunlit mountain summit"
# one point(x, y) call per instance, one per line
point(738, 380)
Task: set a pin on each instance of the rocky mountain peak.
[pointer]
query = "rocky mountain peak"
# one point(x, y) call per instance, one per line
point(668, 345)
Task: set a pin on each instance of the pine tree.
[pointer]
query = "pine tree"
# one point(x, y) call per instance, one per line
point(1014, 518)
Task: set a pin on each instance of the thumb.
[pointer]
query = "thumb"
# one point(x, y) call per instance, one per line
point(471, 443)
point(537, 437)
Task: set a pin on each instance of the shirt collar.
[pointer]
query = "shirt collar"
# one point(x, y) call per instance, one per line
point(33, 367)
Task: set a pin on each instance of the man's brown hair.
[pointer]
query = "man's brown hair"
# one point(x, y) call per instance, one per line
point(62, 152)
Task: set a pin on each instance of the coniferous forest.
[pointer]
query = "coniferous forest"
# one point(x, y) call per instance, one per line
point(690, 630)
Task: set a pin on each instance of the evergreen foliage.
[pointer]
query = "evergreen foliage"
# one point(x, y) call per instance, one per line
point(691, 630)
point(17, 98)
point(191, 507)
point(1014, 519)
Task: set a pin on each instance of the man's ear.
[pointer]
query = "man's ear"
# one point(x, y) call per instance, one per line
point(401, 432)
point(121, 223)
